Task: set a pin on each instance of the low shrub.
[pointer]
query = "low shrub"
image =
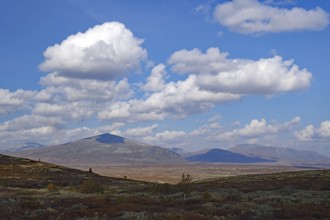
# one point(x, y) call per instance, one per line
point(91, 186)
point(51, 187)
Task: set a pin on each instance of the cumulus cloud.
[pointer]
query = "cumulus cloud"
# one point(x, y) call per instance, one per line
point(67, 111)
point(27, 122)
point(140, 131)
point(184, 97)
point(253, 17)
point(61, 88)
point(216, 73)
point(28, 128)
point(310, 133)
point(167, 138)
point(210, 130)
point(177, 99)
point(156, 82)
point(212, 78)
point(13, 101)
point(257, 128)
point(78, 99)
point(103, 52)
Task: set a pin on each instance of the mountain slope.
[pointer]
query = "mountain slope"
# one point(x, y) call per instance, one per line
point(103, 149)
point(26, 173)
point(286, 155)
point(224, 156)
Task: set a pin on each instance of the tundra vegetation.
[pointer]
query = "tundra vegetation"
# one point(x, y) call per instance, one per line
point(36, 190)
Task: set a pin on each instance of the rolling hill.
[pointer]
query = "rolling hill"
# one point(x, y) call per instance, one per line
point(100, 150)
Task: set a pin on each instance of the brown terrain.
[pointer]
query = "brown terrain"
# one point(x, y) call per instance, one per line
point(201, 171)
point(37, 190)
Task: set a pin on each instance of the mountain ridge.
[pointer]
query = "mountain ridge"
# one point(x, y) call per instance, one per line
point(281, 154)
point(103, 149)
point(224, 156)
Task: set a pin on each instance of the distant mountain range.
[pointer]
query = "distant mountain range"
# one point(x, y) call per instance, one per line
point(102, 149)
point(252, 153)
point(107, 149)
point(224, 156)
point(281, 154)
point(22, 147)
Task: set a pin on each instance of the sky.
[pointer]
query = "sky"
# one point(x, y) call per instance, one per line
point(192, 74)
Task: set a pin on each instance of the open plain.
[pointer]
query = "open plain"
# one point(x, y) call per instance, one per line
point(199, 171)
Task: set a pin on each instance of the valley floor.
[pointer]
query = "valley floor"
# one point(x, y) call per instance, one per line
point(199, 171)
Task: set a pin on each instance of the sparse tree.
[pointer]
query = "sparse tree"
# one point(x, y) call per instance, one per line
point(186, 178)
point(185, 184)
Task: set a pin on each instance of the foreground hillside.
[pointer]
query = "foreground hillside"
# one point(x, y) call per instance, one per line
point(36, 190)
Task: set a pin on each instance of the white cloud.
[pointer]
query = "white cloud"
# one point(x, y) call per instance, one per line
point(212, 79)
point(13, 101)
point(183, 98)
point(118, 110)
point(177, 99)
point(66, 89)
point(258, 128)
point(140, 132)
point(67, 111)
point(216, 73)
point(195, 62)
point(210, 130)
point(253, 17)
point(310, 133)
point(77, 99)
point(27, 122)
point(324, 130)
point(280, 2)
point(167, 138)
point(156, 82)
point(171, 135)
point(206, 8)
point(103, 52)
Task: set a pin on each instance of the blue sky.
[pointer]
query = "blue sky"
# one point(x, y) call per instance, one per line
point(192, 74)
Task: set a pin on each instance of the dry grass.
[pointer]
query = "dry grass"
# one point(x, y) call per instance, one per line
point(172, 173)
point(289, 195)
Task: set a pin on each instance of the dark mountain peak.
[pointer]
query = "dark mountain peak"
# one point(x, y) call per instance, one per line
point(109, 139)
point(217, 150)
point(106, 138)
